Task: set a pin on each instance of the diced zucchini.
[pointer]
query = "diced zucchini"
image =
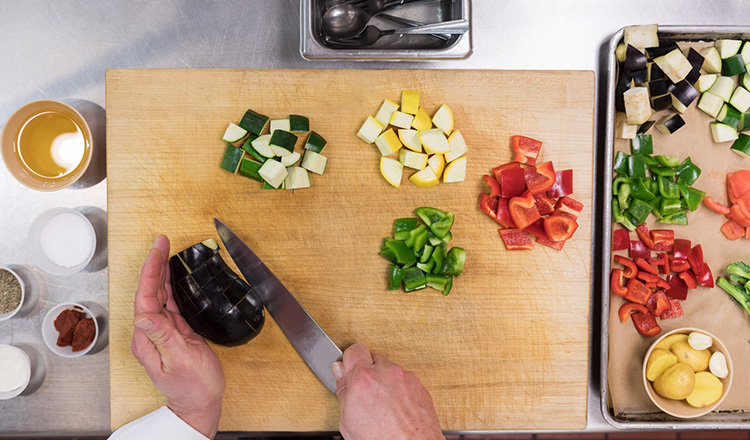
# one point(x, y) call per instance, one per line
point(282, 142)
point(620, 51)
point(722, 132)
point(668, 124)
point(744, 122)
point(254, 122)
point(742, 145)
point(388, 142)
point(740, 99)
point(642, 37)
point(273, 172)
point(266, 185)
point(727, 48)
point(248, 147)
point(637, 105)
point(733, 65)
point(290, 159)
point(315, 142)
point(729, 115)
point(402, 119)
point(745, 51)
point(711, 104)
point(412, 159)
point(745, 81)
point(250, 168)
point(234, 133)
point(299, 123)
point(260, 144)
point(712, 61)
point(297, 178)
point(675, 65)
point(314, 162)
point(370, 130)
point(385, 112)
point(723, 87)
point(280, 124)
point(232, 157)
point(706, 81)
point(623, 130)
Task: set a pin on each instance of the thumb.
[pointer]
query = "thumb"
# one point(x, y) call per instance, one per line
point(338, 373)
point(162, 333)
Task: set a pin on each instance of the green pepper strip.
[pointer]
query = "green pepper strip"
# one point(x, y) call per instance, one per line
point(621, 163)
point(617, 182)
point(395, 278)
point(668, 161)
point(413, 234)
point(668, 206)
point(420, 242)
point(663, 171)
point(640, 191)
point(655, 206)
point(426, 253)
point(437, 282)
point(623, 194)
point(640, 210)
point(448, 287)
point(438, 256)
point(694, 198)
point(668, 189)
point(688, 171)
point(636, 167)
point(677, 218)
point(426, 267)
point(430, 215)
point(403, 254)
point(414, 278)
point(402, 226)
point(653, 185)
point(442, 227)
point(642, 144)
point(650, 161)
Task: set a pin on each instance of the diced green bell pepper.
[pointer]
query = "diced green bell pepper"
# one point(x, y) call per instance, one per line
point(650, 161)
point(430, 215)
point(414, 279)
point(688, 171)
point(668, 189)
point(669, 206)
point(621, 163)
point(426, 254)
point(663, 171)
point(404, 254)
point(419, 242)
point(448, 287)
point(402, 227)
point(642, 144)
point(640, 210)
point(413, 234)
point(442, 227)
point(623, 194)
point(426, 267)
point(617, 182)
point(636, 167)
point(454, 262)
point(676, 218)
point(694, 198)
point(437, 282)
point(655, 204)
point(668, 161)
point(639, 190)
point(438, 256)
point(432, 239)
point(395, 277)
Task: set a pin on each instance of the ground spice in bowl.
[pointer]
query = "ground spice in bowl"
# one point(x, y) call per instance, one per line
point(10, 291)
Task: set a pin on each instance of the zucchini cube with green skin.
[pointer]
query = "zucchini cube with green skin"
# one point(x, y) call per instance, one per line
point(314, 162)
point(315, 142)
point(232, 158)
point(249, 168)
point(254, 122)
point(297, 178)
point(740, 99)
point(280, 124)
point(233, 133)
point(248, 147)
point(273, 172)
point(299, 123)
point(722, 132)
point(742, 145)
point(282, 142)
point(260, 144)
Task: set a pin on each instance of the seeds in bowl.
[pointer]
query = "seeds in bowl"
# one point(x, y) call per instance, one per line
point(10, 291)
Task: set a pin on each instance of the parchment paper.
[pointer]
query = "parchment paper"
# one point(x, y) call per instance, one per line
point(710, 309)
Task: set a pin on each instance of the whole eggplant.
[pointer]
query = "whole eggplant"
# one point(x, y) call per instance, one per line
point(215, 301)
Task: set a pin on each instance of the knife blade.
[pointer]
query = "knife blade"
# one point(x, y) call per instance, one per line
point(312, 343)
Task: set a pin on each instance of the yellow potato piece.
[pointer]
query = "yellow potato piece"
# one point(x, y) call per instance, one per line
point(676, 383)
point(667, 342)
point(707, 390)
point(697, 359)
point(658, 362)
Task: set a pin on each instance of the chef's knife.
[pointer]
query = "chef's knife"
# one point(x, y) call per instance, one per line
point(305, 335)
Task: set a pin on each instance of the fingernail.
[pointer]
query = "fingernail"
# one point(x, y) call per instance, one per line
point(338, 370)
point(144, 324)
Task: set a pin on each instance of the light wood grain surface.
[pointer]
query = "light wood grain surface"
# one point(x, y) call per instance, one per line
point(508, 349)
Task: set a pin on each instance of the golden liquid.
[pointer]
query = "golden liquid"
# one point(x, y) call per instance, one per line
point(51, 145)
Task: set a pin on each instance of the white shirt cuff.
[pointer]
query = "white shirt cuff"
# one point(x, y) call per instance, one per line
point(161, 424)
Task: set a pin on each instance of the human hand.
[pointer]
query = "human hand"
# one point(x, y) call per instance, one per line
point(378, 399)
point(178, 360)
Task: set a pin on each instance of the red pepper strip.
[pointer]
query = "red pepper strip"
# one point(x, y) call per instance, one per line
point(646, 325)
point(658, 262)
point(643, 264)
point(567, 205)
point(563, 185)
point(648, 277)
point(617, 283)
point(515, 239)
point(681, 249)
point(638, 249)
point(559, 227)
point(494, 185)
point(631, 270)
point(620, 239)
point(541, 178)
point(680, 266)
point(679, 288)
point(675, 310)
point(658, 303)
point(503, 214)
point(497, 171)
point(663, 239)
point(663, 284)
point(512, 182)
point(544, 204)
point(537, 229)
point(732, 230)
point(557, 245)
point(650, 285)
point(628, 309)
point(526, 149)
point(523, 211)
point(637, 292)
point(645, 235)
point(695, 258)
point(667, 269)
point(715, 206)
point(706, 278)
point(689, 280)
point(488, 205)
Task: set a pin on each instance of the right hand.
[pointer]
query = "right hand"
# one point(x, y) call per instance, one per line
point(378, 399)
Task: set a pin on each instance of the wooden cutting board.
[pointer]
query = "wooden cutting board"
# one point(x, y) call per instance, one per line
point(507, 349)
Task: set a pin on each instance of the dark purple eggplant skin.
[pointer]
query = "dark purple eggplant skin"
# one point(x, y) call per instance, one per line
point(664, 48)
point(695, 59)
point(634, 59)
point(657, 88)
point(693, 76)
point(674, 123)
point(215, 301)
point(661, 102)
point(685, 92)
point(645, 127)
point(623, 84)
point(654, 72)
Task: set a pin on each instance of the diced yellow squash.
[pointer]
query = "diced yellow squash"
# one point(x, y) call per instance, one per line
point(455, 171)
point(437, 163)
point(410, 102)
point(422, 120)
point(370, 130)
point(410, 138)
point(388, 142)
point(434, 141)
point(392, 170)
point(458, 146)
point(425, 178)
point(386, 112)
point(401, 119)
point(443, 119)
point(411, 159)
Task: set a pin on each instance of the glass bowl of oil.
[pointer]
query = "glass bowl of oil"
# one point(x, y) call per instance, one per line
point(46, 145)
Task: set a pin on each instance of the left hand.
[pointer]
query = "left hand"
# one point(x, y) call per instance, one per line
point(178, 361)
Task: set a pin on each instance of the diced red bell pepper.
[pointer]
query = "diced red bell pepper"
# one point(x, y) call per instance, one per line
point(695, 259)
point(499, 169)
point(663, 239)
point(540, 179)
point(629, 308)
point(620, 239)
point(563, 185)
point(544, 204)
point(631, 270)
point(667, 268)
point(526, 149)
point(638, 249)
point(569, 206)
point(706, 278)
point(559, 227)
point(646, 324)
point(503, 214)
point(738, 185)
point(645, 235)
point(681, 250)
point(488, 205)
point(523, 210)
point(715, 206)
point(537, 229)
point(650, 285)
point(679, 266)
point(617, 283)
point(675, 310)
point(515, 239)
point(493, 184)
point(637, 292)
point(658, 303)
point(732, 230)
point(557, 245)
point(689, 279)
point(512, 182)
point(644, 265)
point(657, 262)
point(647, 277)
point(679, 288)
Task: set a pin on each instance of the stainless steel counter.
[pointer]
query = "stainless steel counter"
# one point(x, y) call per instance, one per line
point(55, 49)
